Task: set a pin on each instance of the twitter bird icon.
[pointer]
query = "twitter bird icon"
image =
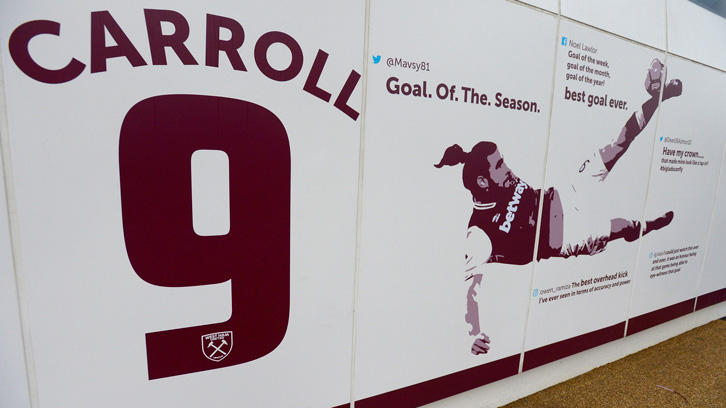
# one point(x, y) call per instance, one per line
point(376, 59)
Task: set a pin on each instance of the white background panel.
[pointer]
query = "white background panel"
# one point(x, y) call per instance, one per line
point(579, 129)
point(696, 120)
point(88, 310)
point(15, 392)
point(643, 21)
point(412, 294)
point(696, 33)
point(549, 5)
point(713, 278)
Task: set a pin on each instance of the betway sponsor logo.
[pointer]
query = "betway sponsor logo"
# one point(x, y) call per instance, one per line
point(512, 207)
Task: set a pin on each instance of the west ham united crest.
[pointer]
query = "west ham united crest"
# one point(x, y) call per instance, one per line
point(217, 346)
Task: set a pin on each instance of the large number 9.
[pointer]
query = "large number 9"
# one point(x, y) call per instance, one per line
point(157, 140)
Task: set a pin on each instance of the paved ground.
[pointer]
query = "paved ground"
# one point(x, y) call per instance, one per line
point(686, 371)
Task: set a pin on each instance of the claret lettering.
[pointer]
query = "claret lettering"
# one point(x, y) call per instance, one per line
point(518, 104)
point(574, 96)
point(393, 87)
point(470, 95)
point(104, 30)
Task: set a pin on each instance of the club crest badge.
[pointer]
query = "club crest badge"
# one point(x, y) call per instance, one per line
point(217, 346)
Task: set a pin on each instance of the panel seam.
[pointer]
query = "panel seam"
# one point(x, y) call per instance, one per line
point(359, 211)
point(12, 214)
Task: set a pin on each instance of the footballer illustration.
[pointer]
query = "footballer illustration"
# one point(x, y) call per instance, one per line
point(503, 222)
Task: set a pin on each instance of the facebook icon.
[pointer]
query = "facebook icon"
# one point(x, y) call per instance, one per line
point(564, 40)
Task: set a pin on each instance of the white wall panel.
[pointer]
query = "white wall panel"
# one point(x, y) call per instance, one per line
point(413, 292)
point(549, 5)
point(13, 375)
point(90, 310)
point(696, 33)
point(580, 299)
point(684, 175)
point(642, 21)
point(713, 278)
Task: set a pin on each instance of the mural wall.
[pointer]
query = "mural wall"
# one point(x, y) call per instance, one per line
point(378, 204)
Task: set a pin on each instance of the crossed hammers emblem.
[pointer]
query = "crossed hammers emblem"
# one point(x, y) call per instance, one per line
point(216, 346)
point(217, 349)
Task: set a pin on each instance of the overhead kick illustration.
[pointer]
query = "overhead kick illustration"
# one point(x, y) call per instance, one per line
point(503, 223)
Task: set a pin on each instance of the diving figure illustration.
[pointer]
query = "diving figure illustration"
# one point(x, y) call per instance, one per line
point(503, 223)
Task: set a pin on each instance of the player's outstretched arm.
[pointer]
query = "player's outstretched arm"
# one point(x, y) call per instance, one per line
point(481, 344)
point(640, 119)
point(478, 251)
point(472, 305)
point(630, 230)
point(481, 341)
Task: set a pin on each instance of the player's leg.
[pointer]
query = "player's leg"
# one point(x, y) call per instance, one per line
point(481, 343)
point(626, 229)
point(658, 223)
point(638, 120)
point(630, 229)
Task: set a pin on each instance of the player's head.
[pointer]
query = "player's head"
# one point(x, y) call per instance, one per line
point(484, 169)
